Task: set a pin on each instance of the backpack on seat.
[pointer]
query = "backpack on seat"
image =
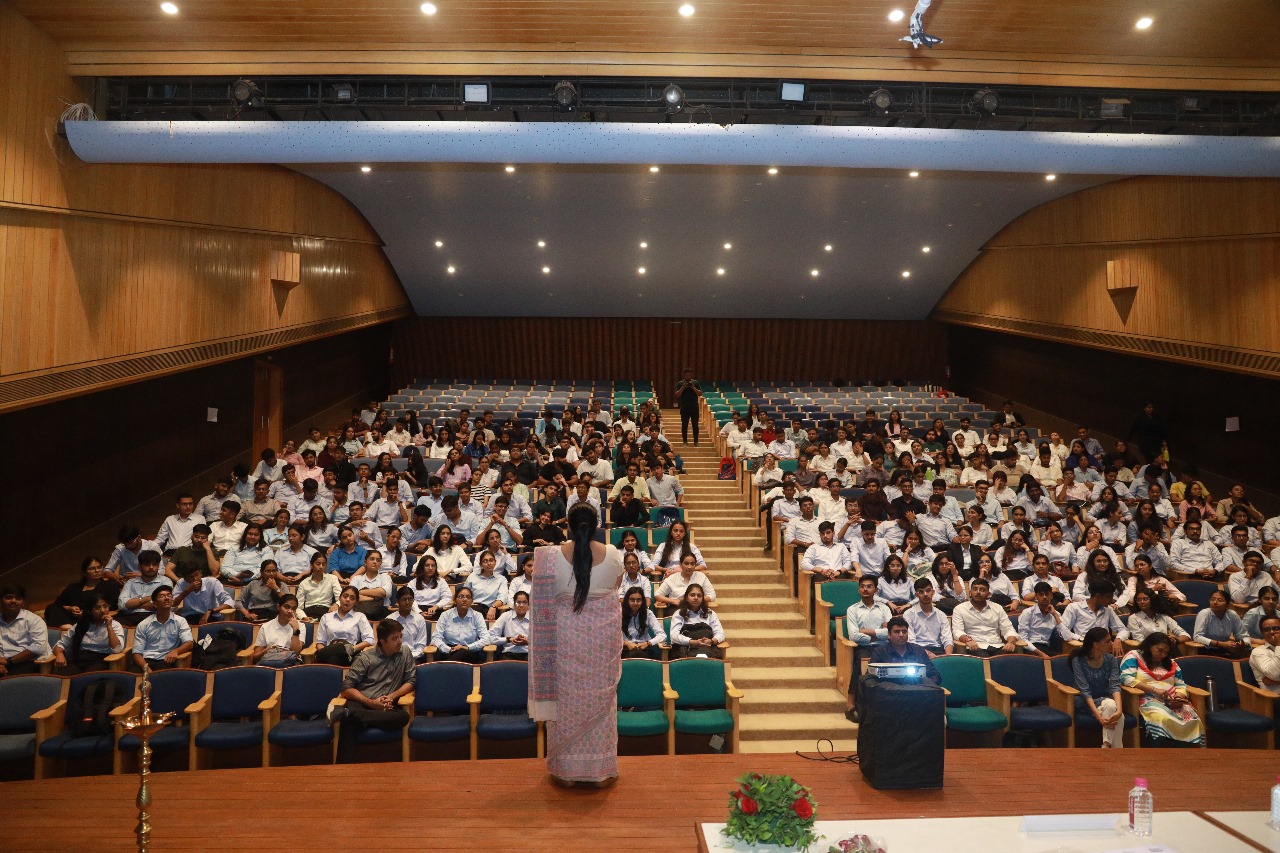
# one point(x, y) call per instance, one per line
point(95, 706)
point(217, 651)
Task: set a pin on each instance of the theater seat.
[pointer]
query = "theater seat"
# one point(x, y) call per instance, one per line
point(231, 717)
point(973, 697)
point(706, 702)
point(439, 704)
point(501, 710)
point(55, 742)
point(295, 716)
point(172, 691)
point(1037, 704)
point(644, 707)
point(20, 697)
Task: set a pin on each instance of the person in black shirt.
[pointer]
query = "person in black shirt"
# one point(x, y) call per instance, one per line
point(341, 467)
point(899, 506)
point(898, 650)
point(626, 511)
point(558, 470)
point(543, 531)
point(551, 502)
point(525, 471)
point(688, 396)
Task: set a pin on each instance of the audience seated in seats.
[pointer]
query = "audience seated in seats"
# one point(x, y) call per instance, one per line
point(374, 587)
point(95, 637)
point(1039, 625)
point(1148, 618)
point(948, 587)
point(1096, 611)
point(1097, 677)
point(260, 597)
point(894, 587)
point(1221, 630)
point(24, 638)
point(197, 554)
point(68, 607)
point(347, 557)
point(318, 591)
point(1267, 601)
point(695, 628)
point(1099, 567)
point(294, 560)
point(417, 633)
point(827, 557)
point(980, 628)
point(1040, 574)
point(242, 563)
point(670, 555)
point(277, 535)
point(929, 627)
point(1264, 660)
point(1004, 591)
point(343, 633)
point(279, 640)
point(633, 572)
point(449, 555)
point(673, 587)
point(372, 688)
point(1245, 585)
point(162, 638)
point(1194, 555)
point(136, 601)
point(642, 633)
point(123, 562)
point(396, 562)
point(866, 623)
point(486, 586)
point(201, 599)
point(1167, 714)
point(431, 592)
point(461, 632)
point(175, 532)
point(511, 630)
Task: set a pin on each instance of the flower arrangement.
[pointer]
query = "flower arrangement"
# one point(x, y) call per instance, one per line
point(772, 809)
point(856, 844)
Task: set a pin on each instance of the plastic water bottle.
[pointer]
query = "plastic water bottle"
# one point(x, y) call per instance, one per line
point(1141, 806)
point(1274, 823)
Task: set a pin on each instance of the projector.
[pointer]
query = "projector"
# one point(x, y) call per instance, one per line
point(904, 673)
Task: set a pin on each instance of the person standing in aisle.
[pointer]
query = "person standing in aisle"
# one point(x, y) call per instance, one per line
point(688, 394)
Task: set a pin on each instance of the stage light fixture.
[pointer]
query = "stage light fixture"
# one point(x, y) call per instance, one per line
point(1144, 23)
point(566, 95)
point(985, 100)
point(880, 100)
point(475, 93)
point(673, 96)
point(246, 92)
point(792, 92)
point(686, 11)
point(897, 15)
point(169, 8)
point(428, 8)
point(1112, 107)
point(344, 93)
point(366, 169)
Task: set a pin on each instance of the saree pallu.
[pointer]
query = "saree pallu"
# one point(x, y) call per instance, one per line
point(574, 666)
point(1162, 721)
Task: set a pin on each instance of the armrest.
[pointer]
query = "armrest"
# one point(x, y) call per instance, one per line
point(199, 713)
point(309, 653)
point(1191, 647)
point(999, 697)
point(1257, 700)
point(1199, 699)
point(1062, 697)
point(50, 721)
point(47, 713)
point(128, 709)
point(731, 691)
point(184, 661)
point(668, 693)
point(406, 700)
point(270, 703)
point(473, 698)
point(116, 661)
point(245, 654)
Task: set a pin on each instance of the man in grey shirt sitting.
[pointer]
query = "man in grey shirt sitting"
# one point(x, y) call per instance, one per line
point(378, 677)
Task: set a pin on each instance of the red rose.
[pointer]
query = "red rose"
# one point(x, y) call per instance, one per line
point(748, 805)
point(803, 808)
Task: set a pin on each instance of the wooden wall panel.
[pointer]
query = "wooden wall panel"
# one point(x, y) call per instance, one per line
point(110, 274)
point(1204, 256)
point(657, 348)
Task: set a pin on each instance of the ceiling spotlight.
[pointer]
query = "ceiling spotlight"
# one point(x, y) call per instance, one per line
point(773, 170)
point(719, 270)
point(644, 245)
point(546, 269)
point(728, 245)
point(366, 169)
point(686, 11)
point(640, 270)
point(451, 270)
point(985, 100)
point(653, 169)
point(246, 92)
point(897, 15)
point(1144, 23)
point(880, 100)
point(1051, 177)
point(673, 95)
point(925, 249)
point(511, 169)
point(906, 273)
point(439, 244)
point(913, 174)
point(169, 8)
point(428, 8)
point(813, 273)
point(542, 244)
point(827, 248)
point(793, 92)
point(566, 95)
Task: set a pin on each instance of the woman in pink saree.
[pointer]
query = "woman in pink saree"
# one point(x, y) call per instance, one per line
point(575, 654)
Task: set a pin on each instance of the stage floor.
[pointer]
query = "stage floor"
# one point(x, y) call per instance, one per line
point(655, 806)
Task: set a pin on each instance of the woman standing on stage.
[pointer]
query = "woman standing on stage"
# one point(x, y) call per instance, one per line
point(575, 653)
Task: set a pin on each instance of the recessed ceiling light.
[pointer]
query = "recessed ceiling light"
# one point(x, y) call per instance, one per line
point(925, 249)
point(813, 273)
point(719, 270)
point(511, 168)
point(640, 270)
point(653, 168)
point(1144, 23)
point(773, 170)
point(366, 169)
point(546, 269)
point(687, 10)
point(906, 273)
point(451, 270)
point(1051, 177)
point(827, 248)
point(542, 244)
point(644, 245)
point(439, 244)
point(428, 8)
point(913, 174)
point(897, 15)
point(728, 245)
point(169, 8)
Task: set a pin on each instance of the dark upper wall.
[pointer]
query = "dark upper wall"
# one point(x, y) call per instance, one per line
point(1106, 390)
point(112, 450)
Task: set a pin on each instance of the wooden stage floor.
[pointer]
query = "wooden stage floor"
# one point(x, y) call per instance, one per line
point(498, 805)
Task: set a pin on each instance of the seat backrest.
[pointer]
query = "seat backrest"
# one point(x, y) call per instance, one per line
point(964, 677)
point(1197, 592)
point(1196, 669)
point(640, 687)
point(841, 594)
point(642, 536)
point(1187, 622)
point(699, 682)
point(443, 686)
point(238, 690)
point(307, 690)
point(244, 629)
point(23, 695)
point(504, 686)
point(126, 686)
point(1023, 674)
point(172, 690)
point(1060, 669)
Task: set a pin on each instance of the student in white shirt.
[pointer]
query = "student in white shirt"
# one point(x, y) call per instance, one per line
point(375, 587)
point(672, 589)
point(487, 587)
point(279, 640)
point(417, 633)
point(431, 593)
point(685, 642)
point(633, 576)
point(511, 632)
point(344, 624)
point(1040, 572)
point(642, 633)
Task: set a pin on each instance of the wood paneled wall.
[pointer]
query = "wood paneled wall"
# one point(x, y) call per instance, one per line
point(1106, 390)
point(110, 274)
point(658, 348)
point(128, 444)
point(1203, 257)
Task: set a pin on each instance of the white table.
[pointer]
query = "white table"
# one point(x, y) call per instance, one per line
point(1183, 832)
point(1252, 825)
